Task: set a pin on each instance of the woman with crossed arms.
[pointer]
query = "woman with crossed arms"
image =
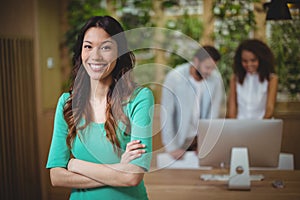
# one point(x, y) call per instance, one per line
point(102, 138)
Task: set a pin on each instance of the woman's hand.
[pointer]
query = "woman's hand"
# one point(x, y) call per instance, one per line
point(134, 149)
point(71, 165)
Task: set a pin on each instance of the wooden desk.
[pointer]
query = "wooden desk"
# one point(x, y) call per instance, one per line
point(186, 185)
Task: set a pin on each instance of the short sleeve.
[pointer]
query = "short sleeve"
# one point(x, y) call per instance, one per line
point(59, 153)
point(140, 111)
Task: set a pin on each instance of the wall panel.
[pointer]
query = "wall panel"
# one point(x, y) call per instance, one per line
point(19, 151)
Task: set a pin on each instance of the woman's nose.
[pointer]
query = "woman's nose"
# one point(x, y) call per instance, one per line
point(96, 54)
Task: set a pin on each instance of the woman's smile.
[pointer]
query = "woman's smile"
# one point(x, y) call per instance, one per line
point(98, 67)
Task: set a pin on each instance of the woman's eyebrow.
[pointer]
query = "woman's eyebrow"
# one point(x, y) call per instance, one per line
point(104, 42)
point(107, 41)
point(87, 41)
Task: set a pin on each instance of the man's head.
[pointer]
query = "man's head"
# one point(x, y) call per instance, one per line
point(204, 61)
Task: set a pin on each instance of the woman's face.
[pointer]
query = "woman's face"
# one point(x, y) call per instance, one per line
point(249, 61)
point(99, 53)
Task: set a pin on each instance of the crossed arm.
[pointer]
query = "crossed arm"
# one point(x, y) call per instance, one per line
point(83, 174)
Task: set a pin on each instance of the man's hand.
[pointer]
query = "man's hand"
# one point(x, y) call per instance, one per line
point(177, 154)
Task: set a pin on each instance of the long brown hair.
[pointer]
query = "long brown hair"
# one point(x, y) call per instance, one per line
point(78, 107)
point(264, 55)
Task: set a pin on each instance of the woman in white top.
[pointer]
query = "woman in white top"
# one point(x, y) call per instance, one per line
point(253, 86)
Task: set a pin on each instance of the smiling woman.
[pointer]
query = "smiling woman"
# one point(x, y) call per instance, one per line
point(99, 53)
point(102, 142)
point(253, 86)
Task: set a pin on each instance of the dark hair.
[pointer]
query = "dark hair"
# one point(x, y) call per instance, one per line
point(78, 106)
point(206, 52)
point(264, 55)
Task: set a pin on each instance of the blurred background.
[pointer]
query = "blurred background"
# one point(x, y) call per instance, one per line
point(36, 39)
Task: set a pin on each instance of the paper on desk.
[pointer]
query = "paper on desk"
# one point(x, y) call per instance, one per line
point(188, 161)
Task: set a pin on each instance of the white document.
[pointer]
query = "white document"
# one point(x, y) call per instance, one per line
point(189, 160)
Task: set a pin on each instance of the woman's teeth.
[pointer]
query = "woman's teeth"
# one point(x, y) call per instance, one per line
point(97, 67)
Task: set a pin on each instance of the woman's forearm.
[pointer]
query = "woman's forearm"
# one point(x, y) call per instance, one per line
point(232, 102)
point(271, 97)
point(110, 174)
point(61, 177)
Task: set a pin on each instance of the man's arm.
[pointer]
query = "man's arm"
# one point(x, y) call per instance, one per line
point(217, 97)
point(167, 114)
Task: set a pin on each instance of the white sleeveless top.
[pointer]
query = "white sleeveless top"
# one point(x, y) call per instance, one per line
point(251, 97)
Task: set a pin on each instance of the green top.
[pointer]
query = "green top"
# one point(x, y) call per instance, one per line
point(93, 146)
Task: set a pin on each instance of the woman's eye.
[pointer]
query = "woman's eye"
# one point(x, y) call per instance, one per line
point(87, 46)
point(106, 48)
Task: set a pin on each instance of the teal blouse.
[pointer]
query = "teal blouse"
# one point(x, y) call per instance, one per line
point(92, 145)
